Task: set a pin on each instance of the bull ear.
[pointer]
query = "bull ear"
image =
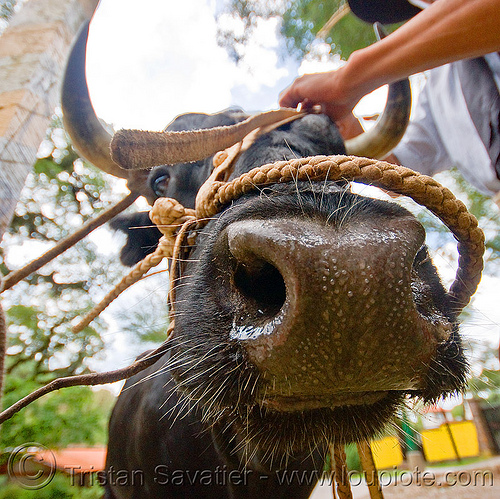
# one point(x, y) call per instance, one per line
point(89, 137)
point(142, 236)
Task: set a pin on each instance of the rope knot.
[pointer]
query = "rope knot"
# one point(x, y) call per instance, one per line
point(168, 215)
point(219, 158)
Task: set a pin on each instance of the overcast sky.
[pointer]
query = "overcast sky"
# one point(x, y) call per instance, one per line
point(147, 64)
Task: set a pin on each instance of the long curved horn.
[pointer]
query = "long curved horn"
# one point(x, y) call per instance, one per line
point(139, 149)
point(384, 136)
point(80, 121)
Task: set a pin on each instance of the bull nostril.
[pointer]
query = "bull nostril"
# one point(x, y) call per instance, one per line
point(262, 284)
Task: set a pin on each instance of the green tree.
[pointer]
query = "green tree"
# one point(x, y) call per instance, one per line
point(485, 379)
point(76, 415)
point(60, 195)
point(301, 21)
point(481, 206)
point(244, 16)
point(486, 385)
point(488, 216)
point(60, 487)
point(146, 324)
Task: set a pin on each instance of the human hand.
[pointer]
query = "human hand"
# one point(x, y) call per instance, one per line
point(324, 89)
point(349, 126)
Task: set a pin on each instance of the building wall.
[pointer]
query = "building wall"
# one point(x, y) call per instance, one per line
point(436, 444)
point(387, 453)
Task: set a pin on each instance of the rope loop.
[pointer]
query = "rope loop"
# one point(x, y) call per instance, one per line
point(422, 189)
point(338, 456)
point(176, 224)
point(169, 215)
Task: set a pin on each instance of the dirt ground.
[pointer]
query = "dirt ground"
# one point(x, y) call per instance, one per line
point(478, 481)
point(434, 492)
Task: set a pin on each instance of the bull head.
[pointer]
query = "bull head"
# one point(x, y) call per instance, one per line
point(305, 314)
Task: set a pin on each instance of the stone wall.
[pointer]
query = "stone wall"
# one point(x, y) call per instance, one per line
point(33, 50)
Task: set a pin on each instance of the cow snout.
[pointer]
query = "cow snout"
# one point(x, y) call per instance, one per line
point(327, 313)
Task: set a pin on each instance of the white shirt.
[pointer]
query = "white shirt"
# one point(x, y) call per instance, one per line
point(442, 133)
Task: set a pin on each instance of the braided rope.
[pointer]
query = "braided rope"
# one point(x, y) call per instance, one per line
point(333, 471)
point(421, 188)
point(216, 194)
point(341, 475)
point(368, 465)
point(168, 215)
point(180, 242)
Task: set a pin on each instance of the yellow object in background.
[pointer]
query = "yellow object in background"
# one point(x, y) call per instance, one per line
point(387, 452)
point(438, 446)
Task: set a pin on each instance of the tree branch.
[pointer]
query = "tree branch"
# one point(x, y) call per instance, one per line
point(88, 379)
point(18, 275)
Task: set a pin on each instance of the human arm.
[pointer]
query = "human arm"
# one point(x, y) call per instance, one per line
point(448, 30)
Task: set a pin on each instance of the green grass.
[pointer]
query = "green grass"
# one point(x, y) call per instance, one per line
point(60, 487)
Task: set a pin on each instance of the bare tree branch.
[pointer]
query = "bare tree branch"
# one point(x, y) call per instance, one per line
point(89, 379)
point(18, 275)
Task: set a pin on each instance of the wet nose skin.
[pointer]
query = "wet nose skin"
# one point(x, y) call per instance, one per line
point(347, 321)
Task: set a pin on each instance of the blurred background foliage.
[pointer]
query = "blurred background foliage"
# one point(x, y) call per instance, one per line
point(60, 487)
point(60, 195)
point(300, 23)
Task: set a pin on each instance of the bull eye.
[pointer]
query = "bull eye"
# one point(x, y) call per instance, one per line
point(261, 284)
point(160, 185)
